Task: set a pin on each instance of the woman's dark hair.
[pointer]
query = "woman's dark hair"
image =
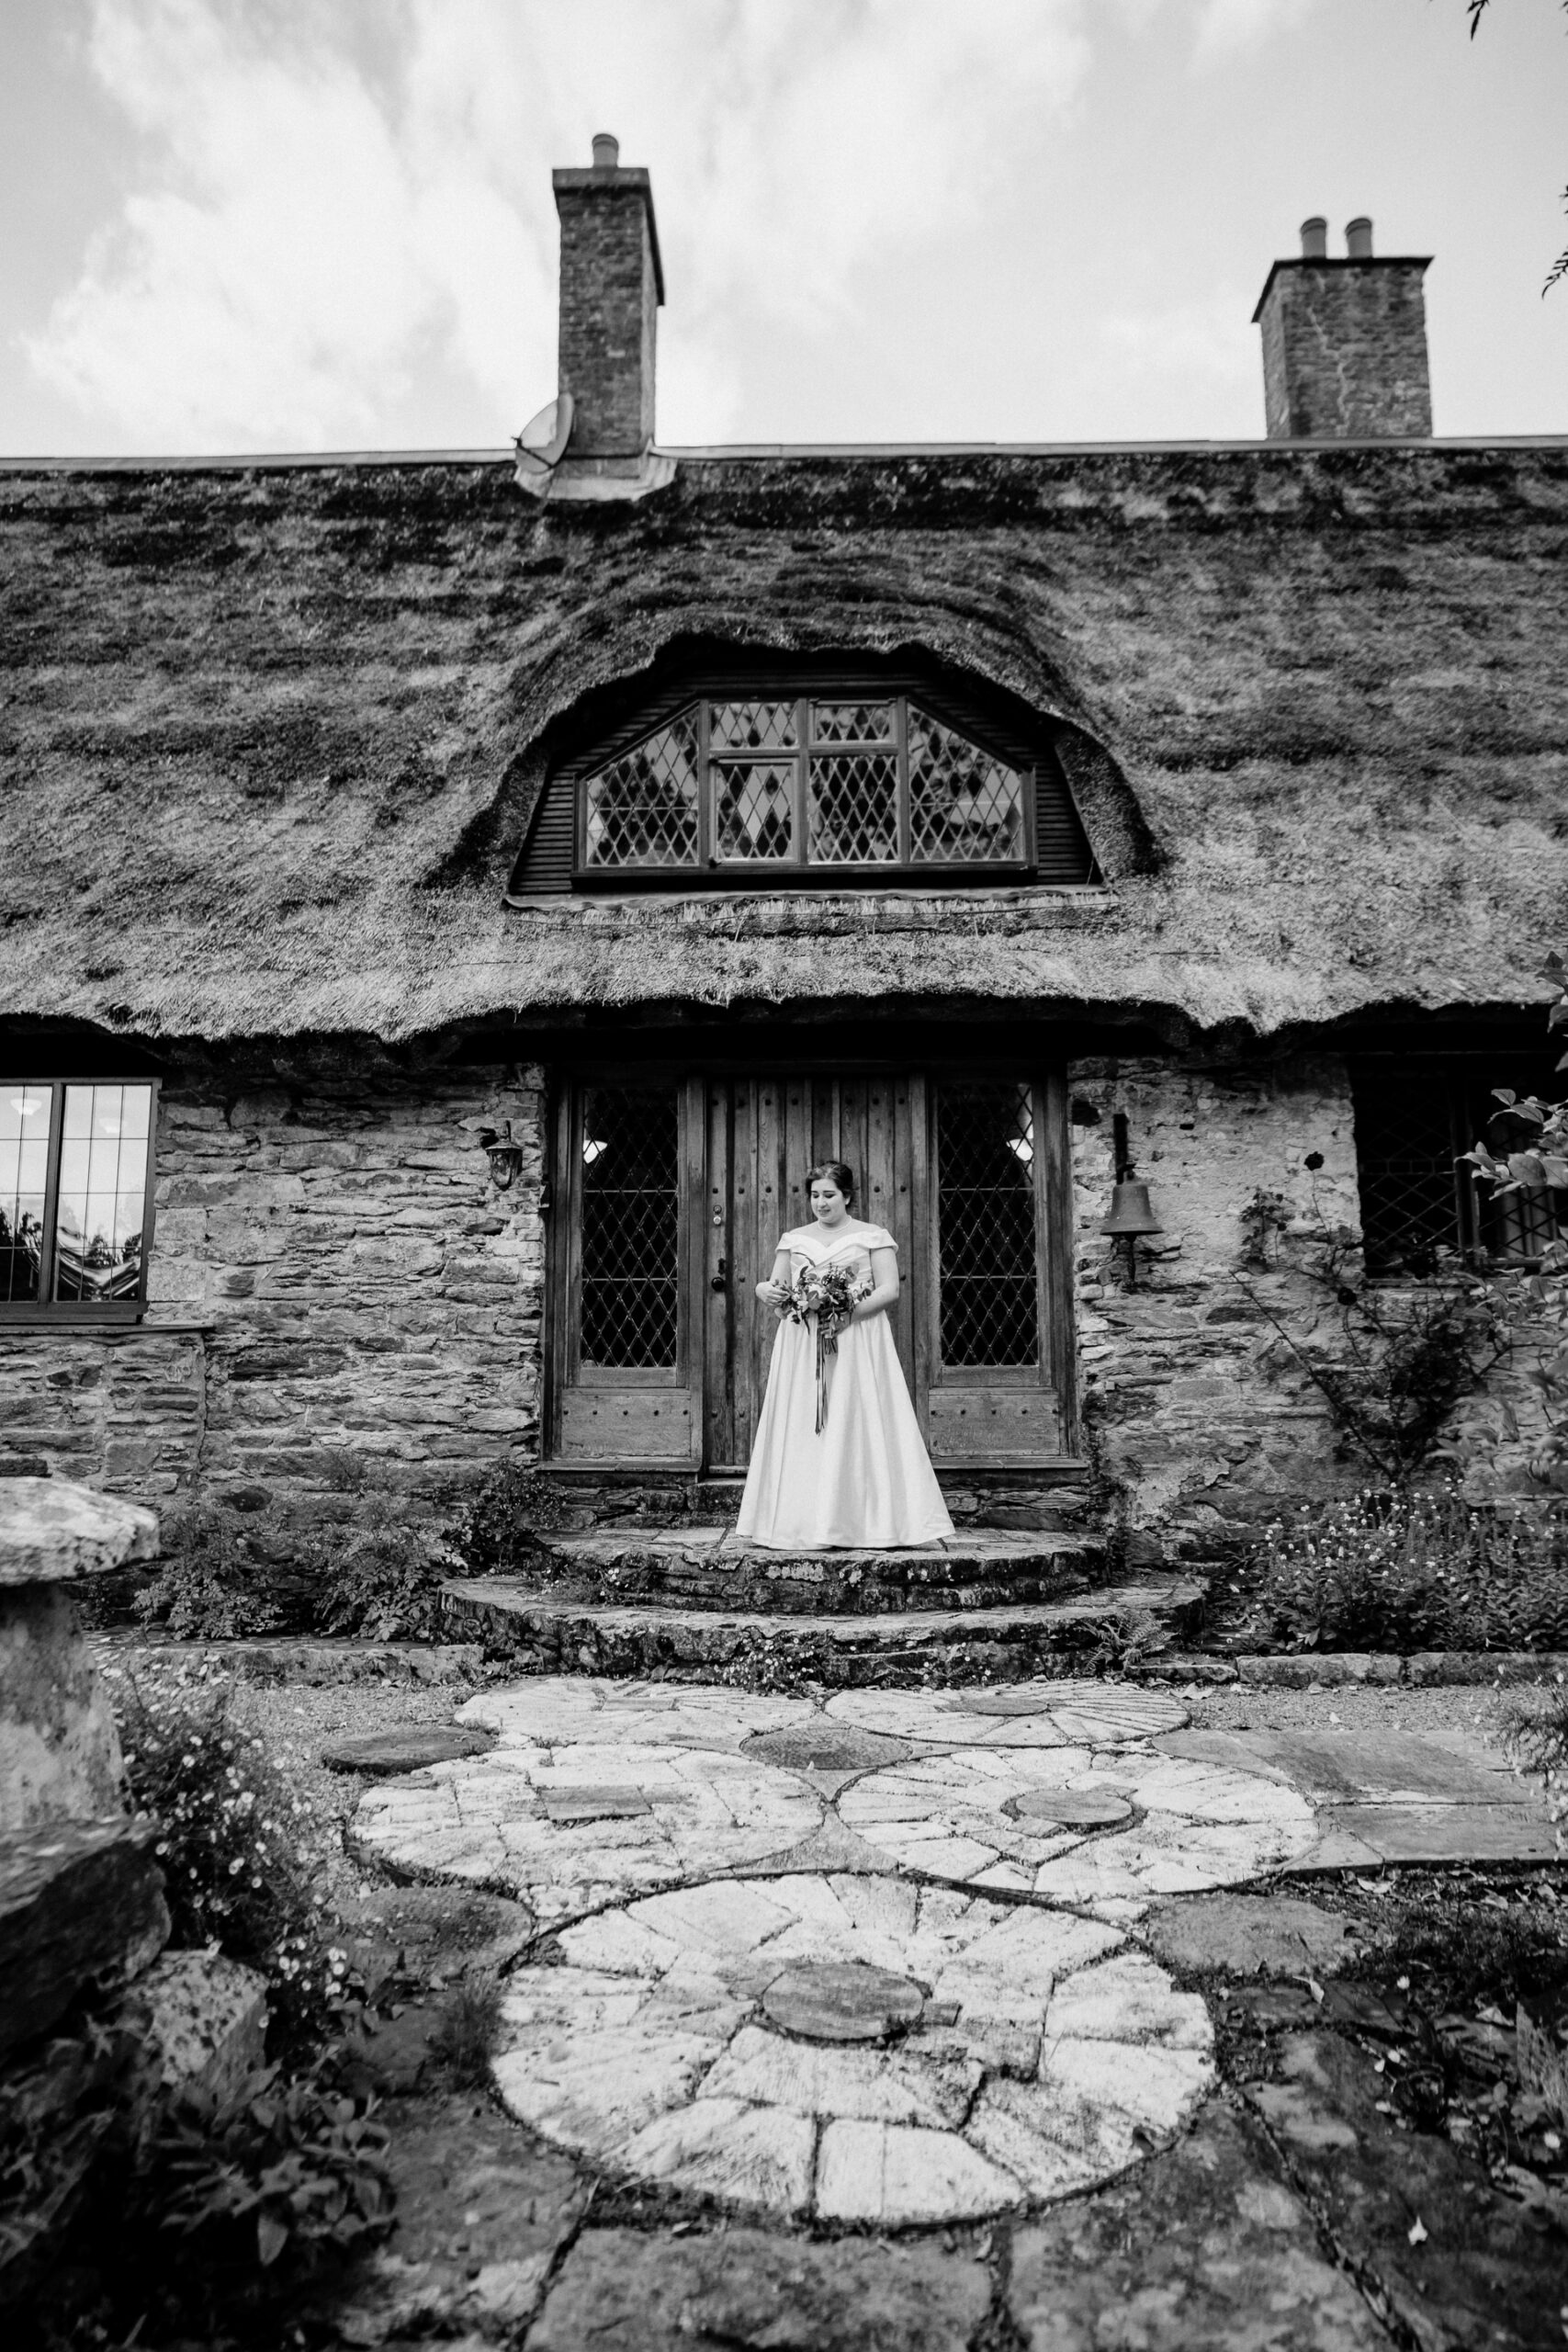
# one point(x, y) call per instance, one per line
point(837, 1171)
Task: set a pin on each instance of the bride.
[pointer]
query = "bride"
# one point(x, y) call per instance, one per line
point(863, 1478)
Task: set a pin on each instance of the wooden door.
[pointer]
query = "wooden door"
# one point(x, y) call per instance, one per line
point(673, 1192)
point(627, 1333)
point(998, 1387)
point(763, 1133)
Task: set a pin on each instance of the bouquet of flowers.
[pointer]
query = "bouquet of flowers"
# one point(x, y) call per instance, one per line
point(826, 1296)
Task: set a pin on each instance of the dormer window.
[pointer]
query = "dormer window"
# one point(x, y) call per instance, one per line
point(824, 785)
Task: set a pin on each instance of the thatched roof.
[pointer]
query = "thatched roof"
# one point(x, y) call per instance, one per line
point(270, 734)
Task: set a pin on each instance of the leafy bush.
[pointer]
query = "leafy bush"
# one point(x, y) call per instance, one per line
point(1413, 1570)
point(380, 1576)
point(244, 1857)
point(281, 2170)
point(500, 1534)
point(206, 1587)
point(377, 1574)
point(1535, 1731)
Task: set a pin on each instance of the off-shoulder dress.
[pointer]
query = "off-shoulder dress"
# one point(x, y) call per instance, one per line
point(866, 1479)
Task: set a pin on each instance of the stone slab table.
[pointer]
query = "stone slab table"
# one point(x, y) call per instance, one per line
point(59, 1756)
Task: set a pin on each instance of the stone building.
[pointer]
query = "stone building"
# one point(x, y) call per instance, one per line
point(448, 900)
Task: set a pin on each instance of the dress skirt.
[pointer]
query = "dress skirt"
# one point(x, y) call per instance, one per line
point(866, 1479)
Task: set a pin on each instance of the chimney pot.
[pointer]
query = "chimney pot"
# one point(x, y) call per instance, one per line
point(1315, 237)
point(1359, 238)
point(606, 151)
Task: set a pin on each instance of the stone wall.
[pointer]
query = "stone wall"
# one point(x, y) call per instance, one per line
point(1198, 1412)
point(332, 1269)
point(1193, 1409)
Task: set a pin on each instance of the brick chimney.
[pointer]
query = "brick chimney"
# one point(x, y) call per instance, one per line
point(1344, 341)
point(610, 287)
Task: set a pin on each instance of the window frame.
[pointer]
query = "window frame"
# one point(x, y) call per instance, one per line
point(47, 1312)
point(708, 870)
point(1461, 1089)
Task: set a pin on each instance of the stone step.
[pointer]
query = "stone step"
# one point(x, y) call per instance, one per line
point(544, 1634)
point(712, 1567)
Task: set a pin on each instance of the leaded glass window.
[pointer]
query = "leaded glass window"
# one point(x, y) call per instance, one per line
point(630, 1228)
point(642, 809)
point(766, 783)
point(76, 1165)
point(1421, 1212)
point(986, 1260)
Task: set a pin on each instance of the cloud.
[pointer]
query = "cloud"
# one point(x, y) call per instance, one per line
point(1228, 27)
point(343, 216)
point(1205, 342)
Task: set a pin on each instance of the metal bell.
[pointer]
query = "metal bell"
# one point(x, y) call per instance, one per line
point(1131, 1214)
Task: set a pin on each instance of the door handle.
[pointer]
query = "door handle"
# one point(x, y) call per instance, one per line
point(721, 1279)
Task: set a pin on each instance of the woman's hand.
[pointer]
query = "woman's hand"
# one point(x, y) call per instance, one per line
point(773, 1293)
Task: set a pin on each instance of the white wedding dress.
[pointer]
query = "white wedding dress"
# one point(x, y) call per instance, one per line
point(866, 1479)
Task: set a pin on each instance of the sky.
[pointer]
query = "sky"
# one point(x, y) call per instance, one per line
point(261, 225)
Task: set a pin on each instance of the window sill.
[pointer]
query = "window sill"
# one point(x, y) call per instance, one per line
point(109, 1319)
point(817, 898)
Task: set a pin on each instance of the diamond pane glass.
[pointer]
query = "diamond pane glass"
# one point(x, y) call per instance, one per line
point(752, 805)
point(986, 1195)
point(853, 808)
point(851, 722)
point(103, 1193)
point(751, 725)
point(630, 1227)
point(642, 809)
point(24, 1166)
point(964, 805)
point(1404, 1156)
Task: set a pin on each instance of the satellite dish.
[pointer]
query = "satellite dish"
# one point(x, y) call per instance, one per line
point(541, 445)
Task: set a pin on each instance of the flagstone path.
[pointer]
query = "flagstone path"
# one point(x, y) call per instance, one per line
point(880, 1959)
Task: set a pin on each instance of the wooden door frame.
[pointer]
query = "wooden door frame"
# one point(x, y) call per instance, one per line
point(1055, 1375)
point(563, 1376)
point(1054, 1250)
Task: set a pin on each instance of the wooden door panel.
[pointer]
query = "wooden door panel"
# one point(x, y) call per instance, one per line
point(628, 1425)
point(991, 1424)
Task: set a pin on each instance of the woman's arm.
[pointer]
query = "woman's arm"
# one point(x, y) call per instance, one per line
point(774, 1292)
point(883, 1287)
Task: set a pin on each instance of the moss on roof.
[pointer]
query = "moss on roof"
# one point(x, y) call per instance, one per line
point(269, 738)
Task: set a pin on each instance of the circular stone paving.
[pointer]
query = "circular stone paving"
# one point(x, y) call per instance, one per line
point(999, 1817)
point(1026, 1715)
point(570, 1827)
point(861, 2048)
point(556, 1710)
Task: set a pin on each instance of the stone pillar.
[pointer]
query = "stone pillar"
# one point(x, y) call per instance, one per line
point(59, 1756)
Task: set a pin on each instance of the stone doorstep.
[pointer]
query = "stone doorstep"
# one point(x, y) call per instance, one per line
point(541, 1634)
point(706, 1568)
point(984, 1545)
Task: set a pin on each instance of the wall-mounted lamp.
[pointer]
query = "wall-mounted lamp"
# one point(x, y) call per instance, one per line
point(505, 1157)
point(1131, 1213)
